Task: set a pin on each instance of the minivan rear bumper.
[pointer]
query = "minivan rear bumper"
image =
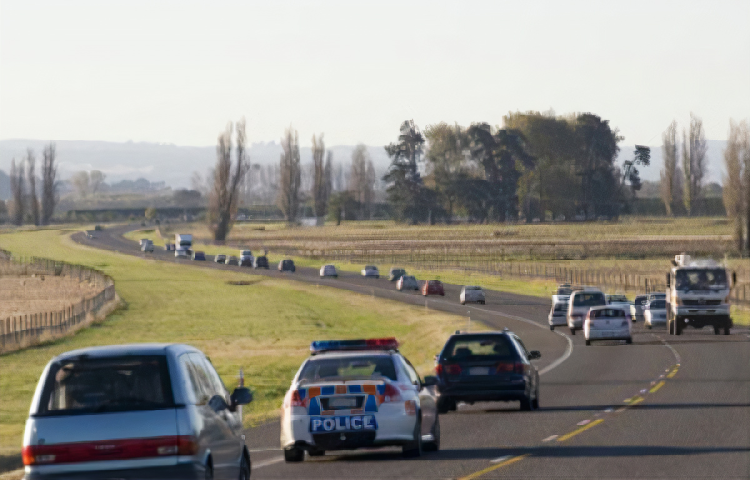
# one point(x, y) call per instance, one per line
point(186, 471)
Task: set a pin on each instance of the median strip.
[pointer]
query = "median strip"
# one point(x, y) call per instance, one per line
point(494, 467)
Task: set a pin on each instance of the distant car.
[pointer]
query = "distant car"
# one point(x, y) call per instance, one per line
point(637, 309)
point(98, 227)
point(90, 234)
point(557, 316)
point(199, 255)
point(371, 271)
point(407, 282)
point(395, 274)
point(287, 265)
point(657, 296)
point(354, 394)
point(655, 313)
point(149, 410)
point(169, 246)
point(246, 258)
point(433, 287)
point(182, 253)
point(261, 261)
point(607, 322)
point(487, 367)
point(328, 271)
point(564, 289)
point(619, 300)
point(232, 260)
point(220, 258)
point(581, 301)
point(471, 293)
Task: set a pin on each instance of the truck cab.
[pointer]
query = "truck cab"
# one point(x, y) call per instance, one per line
point(183, 245)
point(698, 295)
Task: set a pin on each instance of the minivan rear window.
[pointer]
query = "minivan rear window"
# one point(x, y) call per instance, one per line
point(85, 385)
point(588, 299)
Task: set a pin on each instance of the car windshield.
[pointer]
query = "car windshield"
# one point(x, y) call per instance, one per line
point(618, 298)
point(564, 291)
point(86, 385)
point(588, 299)
point(658, 305)
point(701, 279)
point(607, 313)
point(370, 267)
point(366, 367)
point(560, 307)
point(246, 253)
point(472, 288)
point(478, 347)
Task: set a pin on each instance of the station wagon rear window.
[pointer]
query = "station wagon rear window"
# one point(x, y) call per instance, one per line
point(486, 347)
point(111, 384)
point(607, 313)
point(364, 367)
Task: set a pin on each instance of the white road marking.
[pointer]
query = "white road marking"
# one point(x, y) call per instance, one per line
point(610, 409)
point(583, 422)
point(550, 438)
point(500, 459)
point(266, 463)
point(270, 449)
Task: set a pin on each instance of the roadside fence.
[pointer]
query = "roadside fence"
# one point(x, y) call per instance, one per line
point(20, 331)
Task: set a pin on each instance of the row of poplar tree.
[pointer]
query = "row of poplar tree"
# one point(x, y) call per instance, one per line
point(26, 205)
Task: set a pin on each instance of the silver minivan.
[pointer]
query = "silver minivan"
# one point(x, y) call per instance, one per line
point(580, 303)
point(135, 412)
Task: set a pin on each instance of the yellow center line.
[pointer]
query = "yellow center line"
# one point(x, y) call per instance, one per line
point(494, 467)
point(672, 373)
point(656, 387)
point(636, 401)
point(575, 432)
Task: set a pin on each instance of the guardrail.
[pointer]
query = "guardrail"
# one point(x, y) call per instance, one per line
point(20, 331)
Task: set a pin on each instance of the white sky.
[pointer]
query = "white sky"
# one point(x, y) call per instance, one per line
point(176, 72)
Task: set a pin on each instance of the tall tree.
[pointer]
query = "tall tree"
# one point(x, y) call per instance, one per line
point(362, 180)
point(18, 192)
point(446, 157)
point(669, 172)
point(406, 193)
point(734, 185)
point(693, 163)
point(224, 196)
point(31, 179)
point(96, 180)
point(81, 183)
point(321, 177)
point(597, 143)
point(49, 183)
point(289, 175)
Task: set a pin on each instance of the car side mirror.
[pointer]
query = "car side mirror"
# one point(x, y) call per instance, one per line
point(535, 355)
point(217, 403)
point(241, 396)
point(429, 381)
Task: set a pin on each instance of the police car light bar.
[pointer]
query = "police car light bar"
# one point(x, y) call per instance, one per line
point(319, 346)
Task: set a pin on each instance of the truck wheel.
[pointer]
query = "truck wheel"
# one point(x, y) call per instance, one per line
point(588, 342)
point(717, 330)
point(726, 330)
point(572, 331)
point(629, 341)
point(677, 327)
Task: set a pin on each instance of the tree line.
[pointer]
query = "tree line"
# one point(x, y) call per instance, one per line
point(536, 166)
point(737, 182)
point(26, 204)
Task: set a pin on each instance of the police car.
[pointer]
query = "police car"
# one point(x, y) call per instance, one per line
point(355, 394)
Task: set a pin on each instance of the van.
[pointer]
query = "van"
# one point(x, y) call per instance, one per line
point(581, 301)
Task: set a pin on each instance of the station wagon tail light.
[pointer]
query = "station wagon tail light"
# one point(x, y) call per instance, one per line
point(450, 369)
point(102, 450)
point(510, 367)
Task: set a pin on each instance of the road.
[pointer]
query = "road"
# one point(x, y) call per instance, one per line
point(663, 407)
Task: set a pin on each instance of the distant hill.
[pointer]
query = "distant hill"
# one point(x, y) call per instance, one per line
point(715, 161)
point(157, 162)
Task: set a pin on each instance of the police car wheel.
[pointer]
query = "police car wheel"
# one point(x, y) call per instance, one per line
point(316, 453)
point(413, 449)
point(294, 454)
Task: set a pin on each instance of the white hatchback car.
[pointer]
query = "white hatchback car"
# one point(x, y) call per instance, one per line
point(407, 282)
point(557, 316)
point(607, 322)
point(371, 271)
point(471, 294)
point(328, 271)
point(655, 313)
point(358, 394)
point(581, 301)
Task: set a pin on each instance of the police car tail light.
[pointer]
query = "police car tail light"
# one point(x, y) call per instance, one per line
point(391, 394)
point(410, 407)
point(296, 400)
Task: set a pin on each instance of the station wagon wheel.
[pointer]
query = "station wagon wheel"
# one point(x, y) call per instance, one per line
point(209, 471)
point(245, 468)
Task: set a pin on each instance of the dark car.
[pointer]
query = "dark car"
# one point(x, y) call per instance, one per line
point(261, 262)
point(487, 366)
point(246, 262)
point(395, 274)
point(199, 255)
point(232, 260)
point(286, 266)
point(433, 287)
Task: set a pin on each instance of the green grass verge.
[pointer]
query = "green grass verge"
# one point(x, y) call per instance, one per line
point(265, 327)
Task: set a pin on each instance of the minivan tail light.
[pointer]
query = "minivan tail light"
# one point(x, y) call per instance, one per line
point(102, 450)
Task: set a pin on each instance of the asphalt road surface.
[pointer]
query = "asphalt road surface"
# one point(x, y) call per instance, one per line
point(663, 407)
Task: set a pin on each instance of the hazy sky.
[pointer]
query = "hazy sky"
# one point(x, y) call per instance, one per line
point(176, 72)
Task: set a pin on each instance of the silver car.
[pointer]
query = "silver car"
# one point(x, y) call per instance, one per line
point(637, 309)
point(407, 282)
point(371, 271)
point(135, 412)
point(471, 293)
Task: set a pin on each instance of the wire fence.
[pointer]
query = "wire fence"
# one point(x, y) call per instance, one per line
point(21, 331)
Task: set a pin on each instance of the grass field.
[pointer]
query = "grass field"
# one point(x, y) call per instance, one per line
point(21, 295)
point(265, 327)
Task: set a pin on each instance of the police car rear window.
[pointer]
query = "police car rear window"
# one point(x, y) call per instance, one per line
point(348, 368)
point(478, 348)
point(110, 384)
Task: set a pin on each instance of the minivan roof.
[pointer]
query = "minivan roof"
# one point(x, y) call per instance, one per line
point(121, 350)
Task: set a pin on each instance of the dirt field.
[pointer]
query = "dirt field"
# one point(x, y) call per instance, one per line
point(21, 295)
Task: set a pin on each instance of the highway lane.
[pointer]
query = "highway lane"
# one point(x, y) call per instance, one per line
point(695, 424)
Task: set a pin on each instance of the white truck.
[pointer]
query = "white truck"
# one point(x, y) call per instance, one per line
point(147, 245)
point(183, 245)
point(698, 295)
